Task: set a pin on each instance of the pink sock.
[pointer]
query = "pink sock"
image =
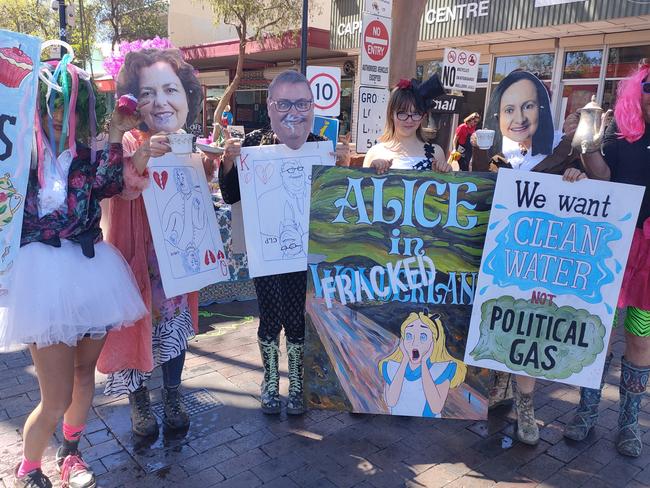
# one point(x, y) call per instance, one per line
point(27, 466)
point(71, 432)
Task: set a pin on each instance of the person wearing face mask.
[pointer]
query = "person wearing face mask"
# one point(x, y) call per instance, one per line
point(281, 298)
point(169, 96)
point(624, 158)
point(519, 113)
point(402, 145)
point(69, 287)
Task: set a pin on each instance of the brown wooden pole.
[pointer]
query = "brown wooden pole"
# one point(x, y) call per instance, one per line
point(406, 18)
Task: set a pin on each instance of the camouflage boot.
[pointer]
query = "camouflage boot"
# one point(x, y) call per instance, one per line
point(270, 394)
point(527, 430)
point(295, 403)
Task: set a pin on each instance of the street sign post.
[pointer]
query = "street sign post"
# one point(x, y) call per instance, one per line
point(460, 69)
point(371, 116)
point(325, 83)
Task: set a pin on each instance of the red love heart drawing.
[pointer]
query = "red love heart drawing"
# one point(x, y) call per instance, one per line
point(212, 258)
point(161, 179)
point(248, 177)
point(220, 254)
point(206, 260)
point(264, 173)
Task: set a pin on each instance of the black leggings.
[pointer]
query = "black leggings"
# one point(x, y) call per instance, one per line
point(281, 299)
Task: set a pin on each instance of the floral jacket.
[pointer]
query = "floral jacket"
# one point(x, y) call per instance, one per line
point(88, 184)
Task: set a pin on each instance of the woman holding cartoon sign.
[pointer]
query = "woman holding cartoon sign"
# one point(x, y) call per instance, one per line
point(519, 121)
point(281, 297)
point(169, 97)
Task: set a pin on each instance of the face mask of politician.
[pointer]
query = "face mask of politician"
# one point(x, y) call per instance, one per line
point(291, 110)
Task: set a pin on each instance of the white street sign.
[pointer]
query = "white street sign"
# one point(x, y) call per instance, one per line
point(375, 50)
point(460, 69)
point(383, 8)
point(325, 85)
point(371, 116)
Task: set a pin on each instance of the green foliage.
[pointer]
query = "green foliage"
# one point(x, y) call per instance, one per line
point(256, 17)
point(34, 17)
point(129, 20)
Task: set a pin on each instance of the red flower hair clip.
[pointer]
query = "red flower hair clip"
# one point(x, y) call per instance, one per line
point(404, 84)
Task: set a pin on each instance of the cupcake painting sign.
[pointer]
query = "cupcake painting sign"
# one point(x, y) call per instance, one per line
point(19, 61)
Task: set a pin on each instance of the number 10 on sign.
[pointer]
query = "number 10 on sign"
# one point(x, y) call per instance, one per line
point(325, 83)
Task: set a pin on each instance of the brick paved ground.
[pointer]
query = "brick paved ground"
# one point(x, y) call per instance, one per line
point(231, 444)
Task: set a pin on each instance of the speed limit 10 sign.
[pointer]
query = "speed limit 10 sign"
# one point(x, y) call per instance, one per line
point(325, 83)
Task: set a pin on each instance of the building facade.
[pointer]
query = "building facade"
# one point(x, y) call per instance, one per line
point(579, 48)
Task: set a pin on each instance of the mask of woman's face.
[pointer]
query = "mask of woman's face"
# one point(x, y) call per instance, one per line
point(519, 112)
point(165, 102)
point(417, 340)
point(406, 128)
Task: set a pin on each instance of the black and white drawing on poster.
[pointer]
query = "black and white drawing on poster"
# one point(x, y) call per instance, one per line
point(275, 186)
point(183, 225)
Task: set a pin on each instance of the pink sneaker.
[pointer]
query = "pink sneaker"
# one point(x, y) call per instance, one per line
point(75, 473)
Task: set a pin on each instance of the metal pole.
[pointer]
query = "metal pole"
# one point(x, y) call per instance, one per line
point(303, 37)
point(63, 27)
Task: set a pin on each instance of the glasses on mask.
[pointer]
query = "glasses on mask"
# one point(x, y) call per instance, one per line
point(293, 169)
point(645, 87)
point(293, 245)
point(404, 116)
point(284, 105)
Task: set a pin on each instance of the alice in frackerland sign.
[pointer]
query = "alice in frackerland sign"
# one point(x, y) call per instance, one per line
point(392, 271)
point(551, 272)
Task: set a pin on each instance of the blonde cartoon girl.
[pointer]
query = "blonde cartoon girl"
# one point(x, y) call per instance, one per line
point(408, 391)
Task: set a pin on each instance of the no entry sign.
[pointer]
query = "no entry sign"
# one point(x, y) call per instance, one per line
point(375, 50)
point(325, 83)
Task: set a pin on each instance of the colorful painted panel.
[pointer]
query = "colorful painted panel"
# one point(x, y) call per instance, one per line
point(393, 263)
point(19, 65)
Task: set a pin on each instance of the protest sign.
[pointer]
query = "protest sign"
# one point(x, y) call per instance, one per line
point(183, 224)
point(550, 276)
point(328, 128)
point(393, 261)
point(274, 183)
point(19, 66)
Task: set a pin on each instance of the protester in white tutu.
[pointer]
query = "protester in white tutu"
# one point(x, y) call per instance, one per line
point(68, 287)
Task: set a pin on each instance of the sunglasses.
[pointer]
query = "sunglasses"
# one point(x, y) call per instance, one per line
point(645, 87)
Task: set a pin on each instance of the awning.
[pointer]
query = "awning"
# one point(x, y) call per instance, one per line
point(260, 54)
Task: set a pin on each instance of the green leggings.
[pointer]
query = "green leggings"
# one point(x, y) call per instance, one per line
point(637, 321)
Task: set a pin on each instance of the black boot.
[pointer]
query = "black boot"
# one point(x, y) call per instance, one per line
point(295, 403)
point(587, 414)
point(143, 422)
point(176, 417)
point(634, 380)
point(270, 394)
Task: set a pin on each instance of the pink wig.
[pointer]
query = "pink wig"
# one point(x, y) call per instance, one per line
point(628, 114)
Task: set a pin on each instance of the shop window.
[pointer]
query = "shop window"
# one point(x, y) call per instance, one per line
point(609, 94)
point(624, 60)
point(347, 92)
point(582, 64)
point(539, 64)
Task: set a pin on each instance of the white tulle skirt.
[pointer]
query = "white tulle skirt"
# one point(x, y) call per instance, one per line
point(58, 295)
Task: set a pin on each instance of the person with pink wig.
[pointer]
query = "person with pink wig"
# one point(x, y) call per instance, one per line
point(625, 158)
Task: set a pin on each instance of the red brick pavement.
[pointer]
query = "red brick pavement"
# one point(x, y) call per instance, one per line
point(231, 444)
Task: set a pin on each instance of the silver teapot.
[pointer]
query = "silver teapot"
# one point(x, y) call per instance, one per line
point(590, 130)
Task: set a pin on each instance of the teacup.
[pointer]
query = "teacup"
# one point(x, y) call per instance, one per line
point(181, 143)
point(485, 138)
